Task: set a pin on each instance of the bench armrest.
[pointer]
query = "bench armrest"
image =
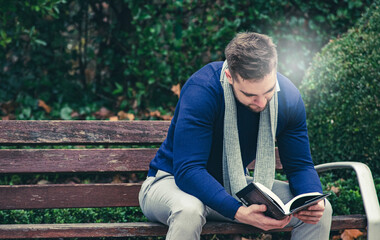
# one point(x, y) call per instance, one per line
point(367, 189)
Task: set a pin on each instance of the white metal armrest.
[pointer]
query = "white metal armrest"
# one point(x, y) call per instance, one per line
point(368, 192)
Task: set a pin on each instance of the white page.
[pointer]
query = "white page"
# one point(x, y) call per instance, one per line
point(287, 205)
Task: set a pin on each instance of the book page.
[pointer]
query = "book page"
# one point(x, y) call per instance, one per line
point(271, 195)
point(303, 198)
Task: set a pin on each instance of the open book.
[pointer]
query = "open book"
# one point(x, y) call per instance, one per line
point(256, 193)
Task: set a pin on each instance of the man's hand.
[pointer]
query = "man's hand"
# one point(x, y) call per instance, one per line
point(313, 213)
point(254, 215)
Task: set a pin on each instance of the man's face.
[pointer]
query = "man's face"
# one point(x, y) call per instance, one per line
point(256, 94)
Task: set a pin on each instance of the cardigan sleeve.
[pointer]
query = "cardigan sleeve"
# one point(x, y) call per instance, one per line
point(294, 150)
point(191, 149)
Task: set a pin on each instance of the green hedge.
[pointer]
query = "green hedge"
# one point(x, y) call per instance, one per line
point(80, 55)
point(341, 94)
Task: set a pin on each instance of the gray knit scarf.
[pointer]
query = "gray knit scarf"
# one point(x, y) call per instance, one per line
point(233, 172)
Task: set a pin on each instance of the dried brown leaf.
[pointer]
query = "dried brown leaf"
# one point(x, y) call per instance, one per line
point(176, 89)
point(8, 107)
point(351, 234)
point(117, 179)
point(335, 190)
point(72, 180)
point(74, 114)
point(42, 104)
point(133, 178)
point(43, 182)
point(158, 115)
point(103, 113)
point(265, 237)
point(336, 237)
point(114, 118)
point(166, 117)
point(155, 114)
point(123, 115)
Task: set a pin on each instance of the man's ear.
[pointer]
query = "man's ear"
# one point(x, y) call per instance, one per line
point(229, 76)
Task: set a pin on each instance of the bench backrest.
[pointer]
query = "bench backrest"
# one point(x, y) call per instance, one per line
point(133, 139)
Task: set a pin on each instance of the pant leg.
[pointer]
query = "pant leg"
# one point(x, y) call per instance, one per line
point(301, 230)
point(162, 201)
point(213, 215)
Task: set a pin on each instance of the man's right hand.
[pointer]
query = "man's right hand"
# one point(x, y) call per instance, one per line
point(254, 215)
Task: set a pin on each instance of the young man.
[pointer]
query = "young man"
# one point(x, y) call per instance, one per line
point(229, 114)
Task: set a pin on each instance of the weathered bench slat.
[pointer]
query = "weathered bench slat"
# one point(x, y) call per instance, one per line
point(81, 230)
point(82, 132)
point(75, 160)
point(68, 196)
point(145, 229)
point(81, 160)
point(356, 221)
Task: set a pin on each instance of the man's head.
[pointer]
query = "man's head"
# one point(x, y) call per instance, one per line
point(251, 55)
point(252, 67)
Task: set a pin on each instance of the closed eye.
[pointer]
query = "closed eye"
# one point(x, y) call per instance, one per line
point(255, 95)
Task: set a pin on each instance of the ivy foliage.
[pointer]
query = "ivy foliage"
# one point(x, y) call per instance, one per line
point(78, 56)
point(341, 94)
point(73, 215)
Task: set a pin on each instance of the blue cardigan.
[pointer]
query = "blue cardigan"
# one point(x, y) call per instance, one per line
point(192, 151)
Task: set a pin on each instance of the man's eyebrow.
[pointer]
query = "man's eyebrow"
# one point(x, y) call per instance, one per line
point(251, 95)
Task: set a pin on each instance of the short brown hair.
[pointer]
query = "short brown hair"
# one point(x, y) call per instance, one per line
point(251, 55)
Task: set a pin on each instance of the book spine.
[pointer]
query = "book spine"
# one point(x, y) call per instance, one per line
point(244, 202)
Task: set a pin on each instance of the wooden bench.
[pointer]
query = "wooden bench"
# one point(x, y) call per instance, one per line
point(137, 134)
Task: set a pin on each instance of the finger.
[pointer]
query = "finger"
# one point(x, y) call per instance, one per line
point(258, 207)
point(309, 221)
point(288, 219)
point(267, 227)
point(311, 214)
point(285, 222)
point(316, 207)
point(276, 224)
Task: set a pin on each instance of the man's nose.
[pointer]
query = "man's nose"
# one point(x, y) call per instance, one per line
point(260, 102)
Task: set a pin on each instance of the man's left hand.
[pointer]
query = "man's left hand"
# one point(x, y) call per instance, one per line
point(312, 214)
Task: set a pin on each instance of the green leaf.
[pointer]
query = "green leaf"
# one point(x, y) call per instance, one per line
point(123, 104)
point(119, 89)
point(65, 113)
point(140, 85)
point(40, 42)
point(26, 112)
